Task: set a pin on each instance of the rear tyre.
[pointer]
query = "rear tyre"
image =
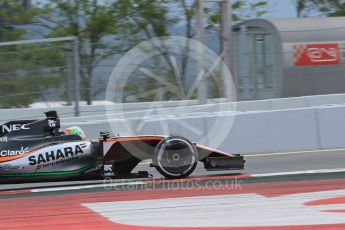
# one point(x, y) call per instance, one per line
point(175, 157)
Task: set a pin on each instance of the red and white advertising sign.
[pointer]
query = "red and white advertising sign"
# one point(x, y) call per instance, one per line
point(316, 54)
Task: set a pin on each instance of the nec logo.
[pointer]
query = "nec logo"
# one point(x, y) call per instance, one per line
point(13, 127)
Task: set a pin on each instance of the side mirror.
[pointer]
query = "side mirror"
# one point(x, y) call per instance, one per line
point(52, 114)
point(105, 135)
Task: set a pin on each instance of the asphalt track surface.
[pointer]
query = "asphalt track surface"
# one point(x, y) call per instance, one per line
point(256, 164)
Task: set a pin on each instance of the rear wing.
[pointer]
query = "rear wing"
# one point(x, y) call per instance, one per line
point(48, 126)
point(13, 126)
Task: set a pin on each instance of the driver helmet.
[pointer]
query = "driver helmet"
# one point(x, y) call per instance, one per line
point(76, 130)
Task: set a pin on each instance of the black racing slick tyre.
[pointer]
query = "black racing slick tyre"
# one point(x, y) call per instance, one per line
point(175, 157)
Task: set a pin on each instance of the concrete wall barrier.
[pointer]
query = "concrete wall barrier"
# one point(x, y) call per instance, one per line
point(252, 132)
point(276, 131)
point(331, 124)
point(311, 128)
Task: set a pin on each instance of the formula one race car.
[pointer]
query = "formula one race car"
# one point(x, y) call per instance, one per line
point(38, 149)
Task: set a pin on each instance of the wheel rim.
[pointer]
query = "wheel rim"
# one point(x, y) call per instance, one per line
point(176, 157)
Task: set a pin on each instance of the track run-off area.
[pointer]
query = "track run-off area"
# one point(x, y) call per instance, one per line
point(297, 190)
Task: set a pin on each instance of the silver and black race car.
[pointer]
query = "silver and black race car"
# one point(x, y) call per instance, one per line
point(38, 149)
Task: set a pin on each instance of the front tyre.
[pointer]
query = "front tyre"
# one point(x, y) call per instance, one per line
point(175, 157)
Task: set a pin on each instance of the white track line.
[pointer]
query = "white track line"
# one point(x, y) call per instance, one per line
point(296, 152)
point(318, 171)
point(146, 162)
point(103, 185)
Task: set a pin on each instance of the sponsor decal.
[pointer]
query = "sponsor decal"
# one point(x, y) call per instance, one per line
point(13, 127)
point(56, 156)
point(108, 170)
point(51, 123)
point(11, 153)
point(10, 168)
point(17, 167)
point(3, 139)
point(316, 54)
point(5, 168)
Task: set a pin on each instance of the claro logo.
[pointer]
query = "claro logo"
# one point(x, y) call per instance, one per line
point(59, 154)
point(13, 127)
point(10, 153)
